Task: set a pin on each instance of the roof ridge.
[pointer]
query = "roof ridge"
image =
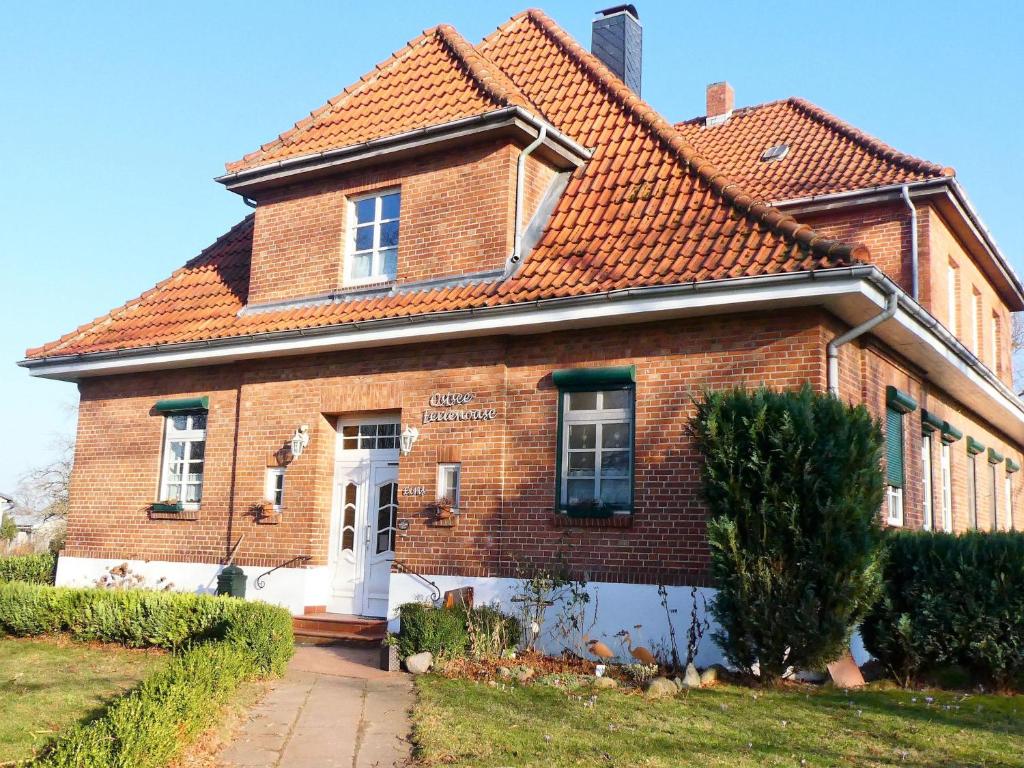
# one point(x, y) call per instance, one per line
point(719, 183)
point(131, 303)
point(866, 140)
point(487, 77)
point(346, 93)
point(738, 111)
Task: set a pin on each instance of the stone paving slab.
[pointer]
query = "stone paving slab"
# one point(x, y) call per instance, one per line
point(332, 709)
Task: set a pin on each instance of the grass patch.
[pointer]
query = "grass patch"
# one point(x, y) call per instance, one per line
point(461, 722)
point(49, 684)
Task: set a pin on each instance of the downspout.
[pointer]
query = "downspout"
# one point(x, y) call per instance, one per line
point(517, 236)
point(905, 191)
point(832, 350)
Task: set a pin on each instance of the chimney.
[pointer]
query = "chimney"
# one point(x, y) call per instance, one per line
point(617, 40)
point(721, 100)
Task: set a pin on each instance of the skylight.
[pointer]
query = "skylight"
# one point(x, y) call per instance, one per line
point(777, 152)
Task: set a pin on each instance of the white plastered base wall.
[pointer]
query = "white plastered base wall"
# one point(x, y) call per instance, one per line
point(291, 588)
point(619, 606)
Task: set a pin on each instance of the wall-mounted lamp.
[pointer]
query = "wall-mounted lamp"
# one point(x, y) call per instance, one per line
point(407, 438)
point(300, 440)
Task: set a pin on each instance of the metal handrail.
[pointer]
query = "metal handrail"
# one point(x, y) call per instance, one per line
point(260, 583)
point(435, 590)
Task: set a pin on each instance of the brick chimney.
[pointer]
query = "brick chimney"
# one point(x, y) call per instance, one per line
point(617, 40)
point(721, 100)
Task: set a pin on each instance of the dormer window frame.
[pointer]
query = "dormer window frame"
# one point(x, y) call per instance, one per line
point(374, 250)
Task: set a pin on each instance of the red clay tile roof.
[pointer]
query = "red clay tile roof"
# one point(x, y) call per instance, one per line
point(646, 210)
point(826, 155)
point(436, 78)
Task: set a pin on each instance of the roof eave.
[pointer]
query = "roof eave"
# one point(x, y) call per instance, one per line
point(558, 149)
point(959, 202)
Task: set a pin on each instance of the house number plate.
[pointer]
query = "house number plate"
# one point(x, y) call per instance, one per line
point(414, 490)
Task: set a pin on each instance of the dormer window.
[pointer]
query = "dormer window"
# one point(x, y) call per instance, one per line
point(373, 238)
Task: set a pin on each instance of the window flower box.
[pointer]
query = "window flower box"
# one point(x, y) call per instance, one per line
point(590, 511)
point(168, 506)
point(267, 513)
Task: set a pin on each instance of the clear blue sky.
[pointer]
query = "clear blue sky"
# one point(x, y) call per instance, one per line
point(114, 118)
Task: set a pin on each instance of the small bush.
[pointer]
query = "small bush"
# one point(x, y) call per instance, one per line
point(442, 631)
point(35, 569)
point(793, 483)
point(951, 601)
point(455, 632)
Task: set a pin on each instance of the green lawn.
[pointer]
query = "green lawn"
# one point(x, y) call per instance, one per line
point(48, 684)
point(464, 723)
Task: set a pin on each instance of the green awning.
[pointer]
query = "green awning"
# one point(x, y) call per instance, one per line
point(974, 447)
point(950, 434)
point(183, 404)
point(594, 378)
point(899, 400)
point(994, 456)
point(930, 422)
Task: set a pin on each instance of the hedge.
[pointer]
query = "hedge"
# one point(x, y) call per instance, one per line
point(445, 632)
point(951, 600)
point(36, 569)
point(218, 643)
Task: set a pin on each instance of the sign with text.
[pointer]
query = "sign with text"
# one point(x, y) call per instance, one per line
point(447, 406)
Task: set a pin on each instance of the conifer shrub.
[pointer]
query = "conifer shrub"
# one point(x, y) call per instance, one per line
point(951, 601)
point(793, 486)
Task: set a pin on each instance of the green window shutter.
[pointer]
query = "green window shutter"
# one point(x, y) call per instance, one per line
point(1012, 466)
point(974, 447)
point(183, 404)
point(994, 456)
point(899, 400)
point(931, 423)
point(893, 447)
point(594, 378)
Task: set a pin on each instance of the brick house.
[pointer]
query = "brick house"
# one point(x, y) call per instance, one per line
point(459, 335)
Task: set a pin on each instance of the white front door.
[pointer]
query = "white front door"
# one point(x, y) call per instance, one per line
point(362, 543)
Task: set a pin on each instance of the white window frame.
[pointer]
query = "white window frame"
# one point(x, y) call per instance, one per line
point(951, 296)
point(947, 488)
point(994, 343)
point(445, 471)
point(973, 515)
point(926, 472)
point(894, 498)
point(189, 436)
point(994, 485)
point(976, 321)
point(273, 489)
point(377, 274)
point(1008, 490)
point(598, 417)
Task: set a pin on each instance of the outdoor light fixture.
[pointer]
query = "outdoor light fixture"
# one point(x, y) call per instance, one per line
point(300, 440)
point(408, 437)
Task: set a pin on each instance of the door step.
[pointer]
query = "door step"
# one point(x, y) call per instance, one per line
point(338, 629)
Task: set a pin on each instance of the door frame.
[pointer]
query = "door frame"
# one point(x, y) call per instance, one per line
point(362, 465)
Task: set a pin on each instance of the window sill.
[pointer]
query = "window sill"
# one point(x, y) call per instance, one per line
point(160, 511)
point(617, 520)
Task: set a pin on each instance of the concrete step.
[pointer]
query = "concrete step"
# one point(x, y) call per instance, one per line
point(338, 629)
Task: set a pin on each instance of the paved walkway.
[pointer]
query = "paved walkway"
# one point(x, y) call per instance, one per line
point(333, 708)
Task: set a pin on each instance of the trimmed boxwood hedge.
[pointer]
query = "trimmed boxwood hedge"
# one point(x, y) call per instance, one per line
point(217, 644)
point(951, 600)
point(36, 569)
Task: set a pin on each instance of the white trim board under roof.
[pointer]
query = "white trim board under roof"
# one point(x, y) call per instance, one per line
point(515, 123)
point(951, 200)
point(853, 294)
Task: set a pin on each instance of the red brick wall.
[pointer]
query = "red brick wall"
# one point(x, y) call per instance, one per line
point(508, 463)
point(457, 217)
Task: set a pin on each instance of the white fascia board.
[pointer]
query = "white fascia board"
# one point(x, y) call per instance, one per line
point(615, 308)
